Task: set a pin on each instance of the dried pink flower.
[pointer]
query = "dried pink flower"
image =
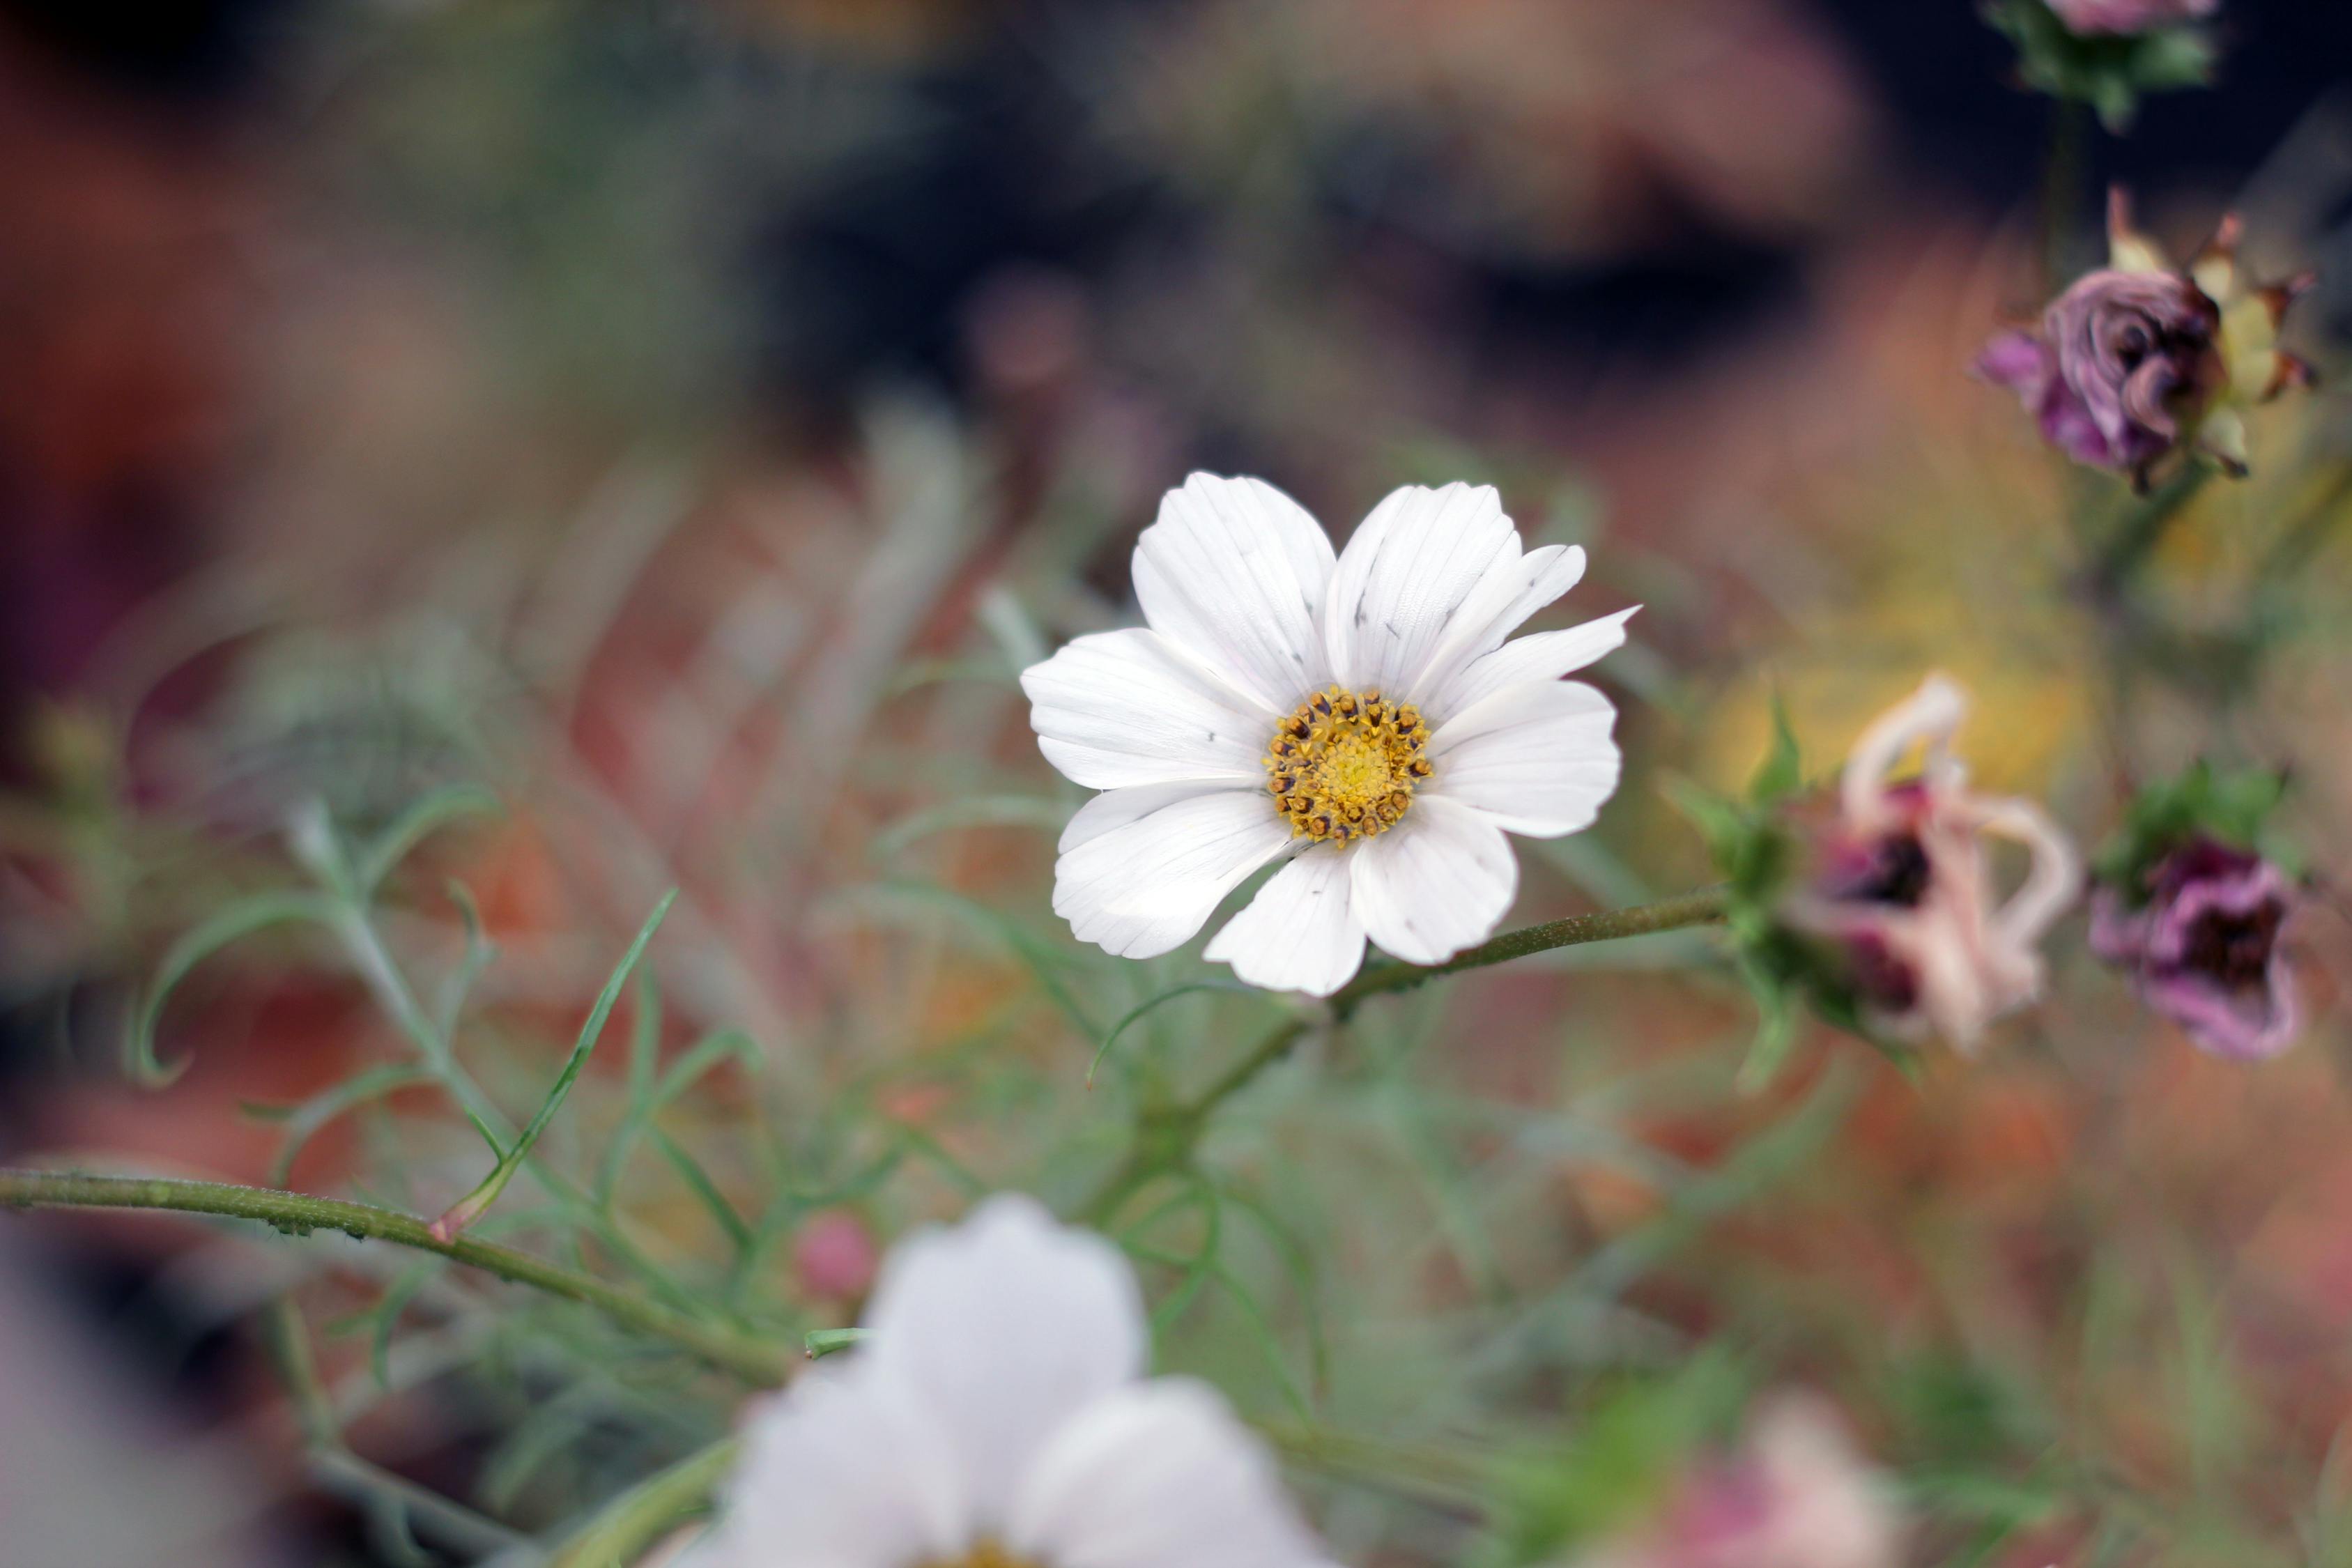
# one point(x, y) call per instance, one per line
point(1903, 884)
point(1796, 1495)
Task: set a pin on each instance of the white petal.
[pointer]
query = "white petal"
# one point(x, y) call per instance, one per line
point(1130, 708)
point(1536, 758)
point(1005, 1327)
point(1931, 715)
point(1301, 932)
point(2053, 880)
point(1435, 883)
point(1404, 578)
point(1540, 656)
point(1234, 572)
point(1141, 876)
point(1117, 809)
point(1160, 1475)
point(1515, 587)
point(842, 1470)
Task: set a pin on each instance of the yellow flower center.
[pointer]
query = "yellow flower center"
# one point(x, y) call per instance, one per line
point(1344, 766)
point(983, 1554)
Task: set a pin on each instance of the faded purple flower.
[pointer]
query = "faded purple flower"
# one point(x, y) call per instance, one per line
point(1796, 1495)
point(2204, 948)
point(2142, 359)
point(2126, 18)
point(2120, 368)
point(1903, 884)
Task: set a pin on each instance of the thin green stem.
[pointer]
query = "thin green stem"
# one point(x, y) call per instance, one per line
point(385, 978)
point(1166, 1135)
point(297, 1213)
point(1437, 1478)
point(1703, 907)
point(2062, 181)
point(343, 1472)
point(622, 1530)
point(2141, 531)
point(2308, 534)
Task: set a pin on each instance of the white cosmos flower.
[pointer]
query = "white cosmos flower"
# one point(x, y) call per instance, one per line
point(1361, 716)
point(997, 1416)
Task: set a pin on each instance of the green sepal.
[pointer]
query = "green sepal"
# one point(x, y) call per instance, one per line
point(1620, 1466)
point(2109, 72)
point(2232, 806)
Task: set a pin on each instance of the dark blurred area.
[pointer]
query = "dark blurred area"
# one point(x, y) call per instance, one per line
point(334, 285)
point(150, 168)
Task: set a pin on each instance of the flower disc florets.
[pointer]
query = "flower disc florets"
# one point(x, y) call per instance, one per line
point(986, 1555)
point(1343, 766)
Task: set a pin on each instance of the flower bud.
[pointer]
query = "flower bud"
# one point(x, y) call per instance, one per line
point(835, 1257)
point(2108, 54)
point(2139, 360)
point(2202, 946)
point(2127, 18)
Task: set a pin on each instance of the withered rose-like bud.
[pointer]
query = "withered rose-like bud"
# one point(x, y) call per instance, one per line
point(1902, 888)
point(2092, 18)
point(2122, 365)
point(2140, 359)
point(2204, 947)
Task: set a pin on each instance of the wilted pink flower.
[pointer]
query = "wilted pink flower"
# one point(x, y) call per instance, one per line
point(1904, 887)
point(1795, 1496)
point(2204, 948)
point(2089, 17)
point(835, 1257)
point(2122, 363)
point(2140, 359)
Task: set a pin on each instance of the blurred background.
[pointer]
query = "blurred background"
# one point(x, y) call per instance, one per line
point(684, 419)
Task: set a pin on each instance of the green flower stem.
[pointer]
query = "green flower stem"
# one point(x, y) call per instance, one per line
point(1704, 906)
point(1165, 1135)
point(297, 1213)
point(365, 946)
point(2061, 189)
point(623, 1529)
point(2308, 534)
point(1443, 1479)
point(2136, 539)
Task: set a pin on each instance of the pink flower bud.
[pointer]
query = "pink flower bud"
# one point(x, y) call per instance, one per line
point(2204, 948)
point(2126, 17)
point(835, 1256)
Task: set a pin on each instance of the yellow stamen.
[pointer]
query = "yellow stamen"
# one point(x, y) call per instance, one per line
point(1344, 765)
point(983, 1554)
